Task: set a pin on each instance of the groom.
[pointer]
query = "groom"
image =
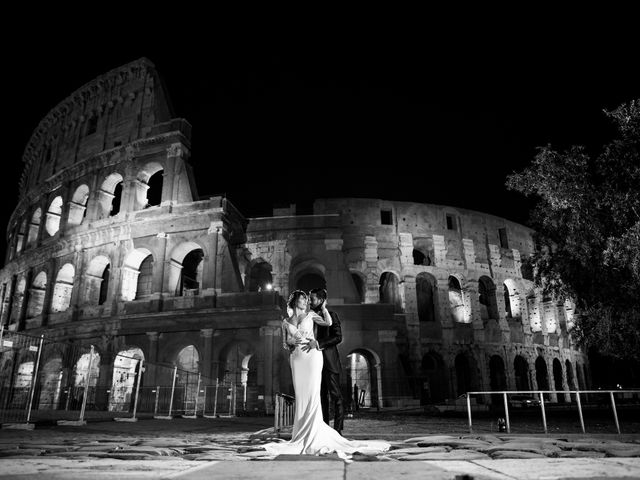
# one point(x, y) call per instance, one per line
point(327, 340)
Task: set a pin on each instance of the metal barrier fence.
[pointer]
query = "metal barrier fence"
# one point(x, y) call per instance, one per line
point(284, 411)
point(68, 383)
point(532, 402)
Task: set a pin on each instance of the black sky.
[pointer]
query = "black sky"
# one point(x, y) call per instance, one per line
point(425, 122)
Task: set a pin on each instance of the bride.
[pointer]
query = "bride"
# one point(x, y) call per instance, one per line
point(311, 435)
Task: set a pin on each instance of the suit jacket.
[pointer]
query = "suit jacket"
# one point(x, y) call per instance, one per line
point(328, 338)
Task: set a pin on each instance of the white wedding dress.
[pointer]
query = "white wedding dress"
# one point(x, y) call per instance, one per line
point(311, 435)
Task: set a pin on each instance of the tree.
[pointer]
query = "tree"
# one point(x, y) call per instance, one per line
point(587, 222)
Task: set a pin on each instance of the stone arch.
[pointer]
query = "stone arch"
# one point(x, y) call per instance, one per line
point(34, 226)
point(149, 185)
point(389, 289)
point(364, 369)
point(557, 378)
point(487, 299)
point(86, 372)
point(126, 368)
point(360, 284)
point(511, 299)
point(50, 381)
point(521, 371)
point(426, 294)
point(110, 194)
point(497, 374)
point(186, 267)
point(466, 376)
point(62, 289)
point(22, 232)
point(570, 378)
point(22, 381)
point(52, 224)
point(542, 374)
point(307, 273)
point(137, 274)
point(36, 295)
point(78, 205)
point(97, 280)
point(458, 303)
point(235, 361)
point(259, 278)
point(434, 373)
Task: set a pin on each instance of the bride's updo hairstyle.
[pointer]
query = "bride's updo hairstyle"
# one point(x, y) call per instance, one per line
point(293, 298)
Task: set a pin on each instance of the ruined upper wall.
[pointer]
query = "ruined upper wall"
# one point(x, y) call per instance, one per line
point(114, 109)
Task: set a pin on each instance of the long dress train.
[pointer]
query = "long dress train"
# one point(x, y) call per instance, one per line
point(311, 435)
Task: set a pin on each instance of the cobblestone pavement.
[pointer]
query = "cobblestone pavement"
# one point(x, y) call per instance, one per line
point(230, 448)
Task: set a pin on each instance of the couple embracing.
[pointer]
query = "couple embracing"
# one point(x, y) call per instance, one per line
point(311, 336)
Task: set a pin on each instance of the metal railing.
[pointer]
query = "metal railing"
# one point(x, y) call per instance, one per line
point(284, 411)
point(540, 394)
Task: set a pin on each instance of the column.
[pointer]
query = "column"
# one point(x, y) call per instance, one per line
point(268, 333)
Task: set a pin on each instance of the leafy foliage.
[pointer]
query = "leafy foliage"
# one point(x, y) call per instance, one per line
point(587, 219)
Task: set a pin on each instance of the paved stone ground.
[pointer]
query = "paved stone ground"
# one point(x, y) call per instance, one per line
point(230, 448)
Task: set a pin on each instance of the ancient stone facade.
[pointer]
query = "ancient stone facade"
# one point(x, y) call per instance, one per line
point(110, 245)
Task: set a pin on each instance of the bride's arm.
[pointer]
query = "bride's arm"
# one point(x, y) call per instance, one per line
point(287, 339)
point(325, 319)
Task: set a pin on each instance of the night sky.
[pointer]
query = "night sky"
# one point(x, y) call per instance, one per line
point(278, 125)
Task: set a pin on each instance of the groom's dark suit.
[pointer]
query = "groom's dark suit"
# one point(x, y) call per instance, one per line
point(328, 338)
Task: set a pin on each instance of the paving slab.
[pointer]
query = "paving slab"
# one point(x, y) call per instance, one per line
point(561, 468)
point(326, 470)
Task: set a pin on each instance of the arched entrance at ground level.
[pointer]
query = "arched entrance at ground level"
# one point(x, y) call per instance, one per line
point(570, 380)
point(557, 379)
point(85, 374)
point(363, 370)
point(238, 370)
point(542, 375)
point(465, 377)
point(188, 363)
point(434, 373)
point(50, 384)
point(497, 375)
point(521, 368)
point(22, 385)
point(126, 368)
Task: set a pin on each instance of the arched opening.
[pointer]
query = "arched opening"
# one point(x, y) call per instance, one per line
point(309, 281)
point(22, 385)
point(34, 227)
point(463, 374)
point(50, 384)
point(52, 224)
point(22, 231)
point(260, 278)
point(425, 296)
point(521, 369)
point(137, 274)
point(498, 378)
point(110, 194)
point(570, 379)
point(456, 301)
point(78, 205)
point(363, 379)
point(542, 376)
point(487, 299)
point(359, 284)
point(390, 290)
point(154, 193)
point(191, 273)
point(97, 280)
point(86, 373)
point(188, 363)
point(63, 288)
point(126, 368)
point(420, 258)
point(238, 370)
point(434, 384)
point(36, 295)
point(557, 378)
point(149, 186)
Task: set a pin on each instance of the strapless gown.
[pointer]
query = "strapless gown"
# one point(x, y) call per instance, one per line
point(311, 435)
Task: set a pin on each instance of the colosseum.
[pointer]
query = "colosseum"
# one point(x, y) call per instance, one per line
point(110, 246)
